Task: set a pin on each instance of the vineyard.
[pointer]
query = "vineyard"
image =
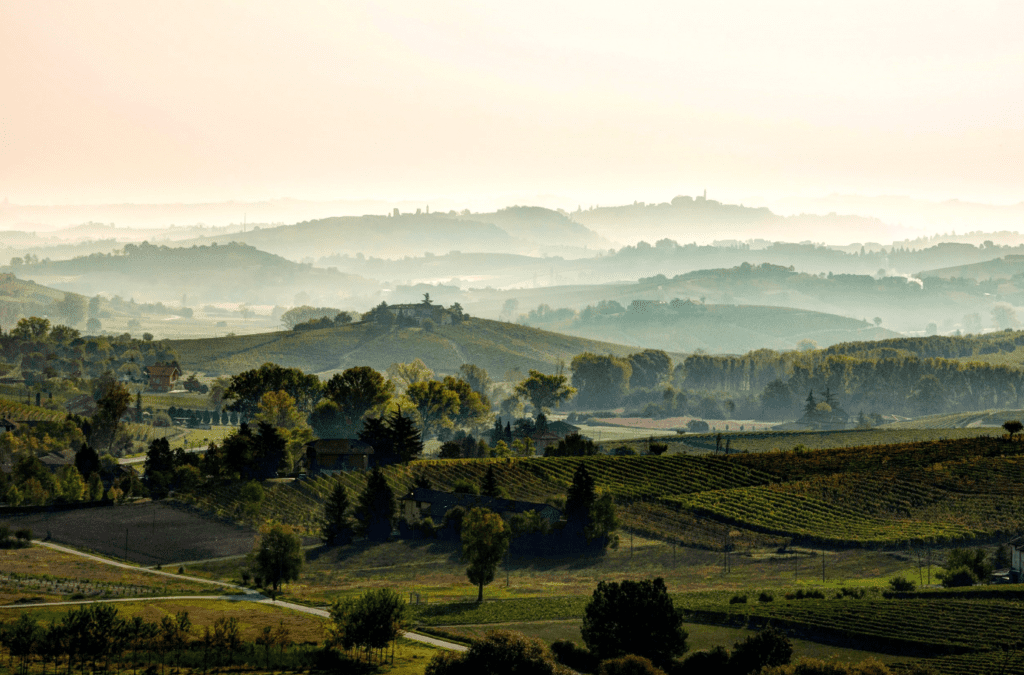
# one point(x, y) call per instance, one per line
point(940, 626)
point(769, 441)
point(946, 421)
point(22, 412)
point(938, 493)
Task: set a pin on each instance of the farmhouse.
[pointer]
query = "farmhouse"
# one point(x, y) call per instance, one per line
point(327, 456)
point(163, 376)
point(419, 312)
point(6, 425)
point(1016, 560)
point(421, 503)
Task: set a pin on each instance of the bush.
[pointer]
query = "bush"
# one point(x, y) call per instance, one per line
point(706, 662)
point(466, 486)
point(23, 535)
point(858, 593)
point(631, 664)
point(957, 577)
point(738, 599)
point(765, 597)
point(162, 419)
point(901, 585)
point(770, 647)
point(574, 656)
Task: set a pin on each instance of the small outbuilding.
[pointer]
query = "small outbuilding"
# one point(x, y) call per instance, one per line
point(328, 456)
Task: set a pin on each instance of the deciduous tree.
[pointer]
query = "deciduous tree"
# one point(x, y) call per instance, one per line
point(484, 543)
point(278, 556)
point(633, 617)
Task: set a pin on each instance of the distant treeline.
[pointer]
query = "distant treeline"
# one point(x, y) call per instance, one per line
point(906, 376)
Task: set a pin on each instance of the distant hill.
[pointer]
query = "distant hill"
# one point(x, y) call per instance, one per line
point(497, 347)
point(1000, 268)
point(20, 298)
point(700, 219)
point(543, 227)
point(206, 274)
point(736, 329)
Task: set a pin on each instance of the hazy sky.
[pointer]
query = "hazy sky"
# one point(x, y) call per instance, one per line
point(594, 102)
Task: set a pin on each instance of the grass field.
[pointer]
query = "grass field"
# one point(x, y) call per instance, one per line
point(156, 532)
point(54, 575)
point(700, 637)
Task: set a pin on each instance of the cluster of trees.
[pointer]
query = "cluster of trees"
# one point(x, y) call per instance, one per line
point(47, 351)
point(94, 636)
point(368, 624)
point(195, 417)
point(306, 317)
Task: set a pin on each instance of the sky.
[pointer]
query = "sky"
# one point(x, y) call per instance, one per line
point(578, 102)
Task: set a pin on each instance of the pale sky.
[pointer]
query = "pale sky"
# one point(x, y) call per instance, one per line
point(604, 103)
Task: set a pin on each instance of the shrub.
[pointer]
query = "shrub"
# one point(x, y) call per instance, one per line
point(901, 585)
point(574, 656)
point(466, 486)
point(958, 576)
point(737, 599)
point(769, 647)
point(706, 662)
point(766, 597)
point(23, 535)
point(161, 419)
point(858, 593)
point(631, 664)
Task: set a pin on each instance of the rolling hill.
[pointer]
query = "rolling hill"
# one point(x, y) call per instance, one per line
point(1000, 268)
point(216, 273)
point(497, 347)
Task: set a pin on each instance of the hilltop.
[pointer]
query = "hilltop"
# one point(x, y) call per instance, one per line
point(1003, 268)
point(216, 273)
point(495, 346)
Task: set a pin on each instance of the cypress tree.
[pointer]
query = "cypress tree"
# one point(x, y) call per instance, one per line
point(337, 526)
point(490, 486)
point(375, 511)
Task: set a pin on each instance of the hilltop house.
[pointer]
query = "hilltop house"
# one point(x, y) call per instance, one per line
point(1016, 560)
point(6, 425)
point(419, 312)
point(163, 376)
point(421, 503)
point(327, 456)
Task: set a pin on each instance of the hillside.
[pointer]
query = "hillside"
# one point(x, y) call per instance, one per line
point(20, 298)
point(1000, 268)
point(497, 347)
point(229, 273)
point(719, 328)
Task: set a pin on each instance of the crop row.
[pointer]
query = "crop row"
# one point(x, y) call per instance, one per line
point(774, 511)
point(967, 625)
point(994, 661)
point(794, 465)
point(19, 412)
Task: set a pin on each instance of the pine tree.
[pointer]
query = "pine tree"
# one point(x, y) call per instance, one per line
point(376, 509)
point(138, 407)
point(579, 499)
point(490, 486)
point(337, 526)
point(811, 404)
point(406, 440)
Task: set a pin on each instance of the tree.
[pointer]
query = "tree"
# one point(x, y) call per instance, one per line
point(544, 391)
point(393, 439)
point(573, 445)
point(113, 401)
point(86, 460)
point(649, 368)
point(337, 526)
point(247, 389)
point(490, 486)
point(254, 456)
point(376, 508)
point(601, 380)
point(1013, 427)
point(501, 653)
point(436, 403)
point(373, 621)
point(484, 543)
point(477, 378)
point(633, 617)
point(965, 567)
point(767, 648)
point(278, 555)
point(355, 393)
point(405, 374)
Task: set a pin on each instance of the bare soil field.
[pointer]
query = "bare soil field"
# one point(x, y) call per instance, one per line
point(152, 533)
